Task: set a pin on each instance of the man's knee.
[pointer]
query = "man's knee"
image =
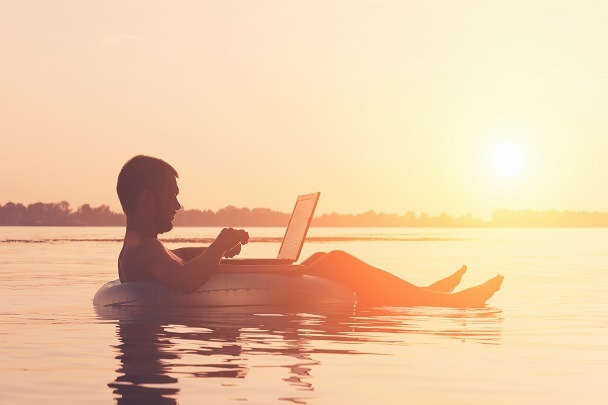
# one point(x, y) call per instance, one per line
point(338, 255)
point(314, 257)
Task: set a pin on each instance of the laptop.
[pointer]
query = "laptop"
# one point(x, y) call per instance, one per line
point(295, 234)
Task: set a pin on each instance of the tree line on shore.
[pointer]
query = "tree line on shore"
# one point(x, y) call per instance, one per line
point(60, 214)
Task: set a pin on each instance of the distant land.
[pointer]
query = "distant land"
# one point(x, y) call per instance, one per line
point(60, 214)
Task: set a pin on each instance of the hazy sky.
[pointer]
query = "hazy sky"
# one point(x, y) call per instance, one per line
point(385, 105)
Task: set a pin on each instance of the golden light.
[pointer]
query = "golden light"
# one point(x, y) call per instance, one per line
point(507, 159)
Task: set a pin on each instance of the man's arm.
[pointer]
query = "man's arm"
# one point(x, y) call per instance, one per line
point(178, 274)
point(175, 273)
point(188, 253)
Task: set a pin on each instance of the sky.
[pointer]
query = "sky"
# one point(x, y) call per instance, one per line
point(393, 106)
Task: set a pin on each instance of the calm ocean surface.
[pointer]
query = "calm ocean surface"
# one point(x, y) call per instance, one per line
point(542, 339)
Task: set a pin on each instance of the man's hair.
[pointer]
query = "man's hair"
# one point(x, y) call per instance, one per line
point(138, 174)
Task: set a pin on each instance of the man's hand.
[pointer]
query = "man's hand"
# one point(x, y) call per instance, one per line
point(230, 239)
point(233, 252)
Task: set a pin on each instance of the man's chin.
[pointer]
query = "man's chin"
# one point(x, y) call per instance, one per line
point(163, 228)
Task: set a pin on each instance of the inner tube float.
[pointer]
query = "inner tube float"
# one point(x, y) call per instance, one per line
point(257, 288)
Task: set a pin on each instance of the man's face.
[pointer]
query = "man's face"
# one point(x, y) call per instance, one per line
point(166, 204)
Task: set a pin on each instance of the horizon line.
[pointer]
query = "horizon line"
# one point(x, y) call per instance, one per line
point(370, 210)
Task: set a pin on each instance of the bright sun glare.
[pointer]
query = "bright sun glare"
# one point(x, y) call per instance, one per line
point(507, 159)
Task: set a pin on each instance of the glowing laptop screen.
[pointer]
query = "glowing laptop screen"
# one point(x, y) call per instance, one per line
point(298, 226)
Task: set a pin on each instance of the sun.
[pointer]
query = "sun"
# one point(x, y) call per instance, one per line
point(507, 159)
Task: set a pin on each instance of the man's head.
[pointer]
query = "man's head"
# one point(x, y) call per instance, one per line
point(147, 189)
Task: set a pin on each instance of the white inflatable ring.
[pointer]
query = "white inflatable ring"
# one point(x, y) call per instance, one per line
point(231, 289)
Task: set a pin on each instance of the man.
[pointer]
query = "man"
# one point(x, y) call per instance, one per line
point(147, 189)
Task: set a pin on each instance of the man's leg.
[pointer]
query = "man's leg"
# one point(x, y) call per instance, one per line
point(313, 258)
point(444, 285)
point(378, 287)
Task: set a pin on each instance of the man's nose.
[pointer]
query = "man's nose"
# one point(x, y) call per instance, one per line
point(177, 205)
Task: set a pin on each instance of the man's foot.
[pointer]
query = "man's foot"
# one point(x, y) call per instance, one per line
point(477, 296)
point(449, 283)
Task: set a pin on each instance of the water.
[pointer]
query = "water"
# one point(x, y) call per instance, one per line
point(542, 339)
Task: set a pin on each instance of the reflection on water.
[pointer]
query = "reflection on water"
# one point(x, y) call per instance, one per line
point(158, 348)
point(551, 347)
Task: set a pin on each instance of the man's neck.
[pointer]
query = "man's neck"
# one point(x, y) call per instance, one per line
point(145, 230)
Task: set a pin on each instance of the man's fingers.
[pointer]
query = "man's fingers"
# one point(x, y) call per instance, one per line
point(231, 237)
point(233, 252)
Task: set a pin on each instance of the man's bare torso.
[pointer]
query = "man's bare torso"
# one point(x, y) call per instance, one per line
point(132, 264)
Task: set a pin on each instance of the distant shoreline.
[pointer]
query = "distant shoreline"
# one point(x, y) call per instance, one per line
point(60, 214)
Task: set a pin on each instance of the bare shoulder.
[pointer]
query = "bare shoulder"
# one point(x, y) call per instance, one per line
point(152, 245)
point(147, 260)
point(153, 250)
point(144, 249)
point(158, 260)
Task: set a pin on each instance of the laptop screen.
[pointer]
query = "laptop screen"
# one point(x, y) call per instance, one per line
point(298, 226)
